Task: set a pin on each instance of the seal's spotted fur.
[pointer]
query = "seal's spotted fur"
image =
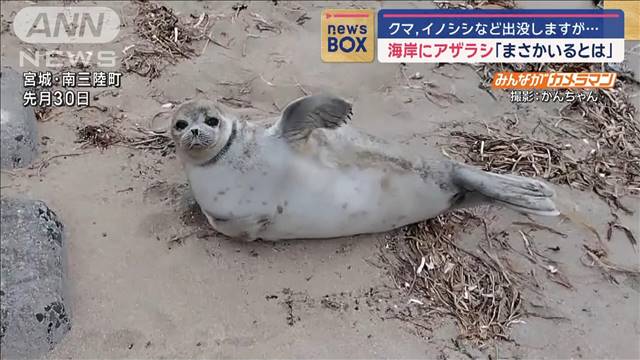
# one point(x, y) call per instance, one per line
point(311, 175)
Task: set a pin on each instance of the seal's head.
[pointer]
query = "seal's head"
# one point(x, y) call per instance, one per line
point(201, 130)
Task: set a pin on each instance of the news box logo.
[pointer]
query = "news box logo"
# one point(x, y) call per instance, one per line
point(348, 35)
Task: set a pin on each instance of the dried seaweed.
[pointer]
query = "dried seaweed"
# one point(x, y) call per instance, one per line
point(168, 39)
point(143, 61)
point(479, 290)
point(101, 136)
point(160, 26)
point(613, 125)
point(515, 154)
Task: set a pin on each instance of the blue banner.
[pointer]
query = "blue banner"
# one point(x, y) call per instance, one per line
point(500, 24)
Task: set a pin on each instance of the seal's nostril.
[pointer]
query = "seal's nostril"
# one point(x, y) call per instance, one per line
point(194, 131)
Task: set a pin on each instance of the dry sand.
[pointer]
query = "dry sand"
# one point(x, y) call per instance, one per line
point(136, 295)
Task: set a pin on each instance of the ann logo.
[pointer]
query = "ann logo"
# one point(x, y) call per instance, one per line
point(348, 35)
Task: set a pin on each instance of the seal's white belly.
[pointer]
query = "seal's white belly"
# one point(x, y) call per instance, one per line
point(333, 203)
point(303, 198)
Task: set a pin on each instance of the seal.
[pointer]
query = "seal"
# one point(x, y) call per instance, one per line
point(311, 175)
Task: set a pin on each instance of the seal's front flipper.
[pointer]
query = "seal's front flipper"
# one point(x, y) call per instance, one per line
point(519, 193)
point(244, 228)
point(304, 115)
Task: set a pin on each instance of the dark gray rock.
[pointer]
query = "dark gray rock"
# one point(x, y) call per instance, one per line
point(18, 135)
point(33, 301)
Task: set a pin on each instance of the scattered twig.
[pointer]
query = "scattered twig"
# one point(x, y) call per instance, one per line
point(151, 140)
point(442, 100)
point(540, 227)
point(632, 239)
point(599, 258)
point(302, 19)
point(263, 25)
point(45, 163)
point(238, 7)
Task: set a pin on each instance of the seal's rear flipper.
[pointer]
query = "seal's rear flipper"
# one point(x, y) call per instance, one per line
point(519, 193)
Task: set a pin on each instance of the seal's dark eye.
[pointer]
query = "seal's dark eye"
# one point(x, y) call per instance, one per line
point(181, 124)
point(212, 121)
